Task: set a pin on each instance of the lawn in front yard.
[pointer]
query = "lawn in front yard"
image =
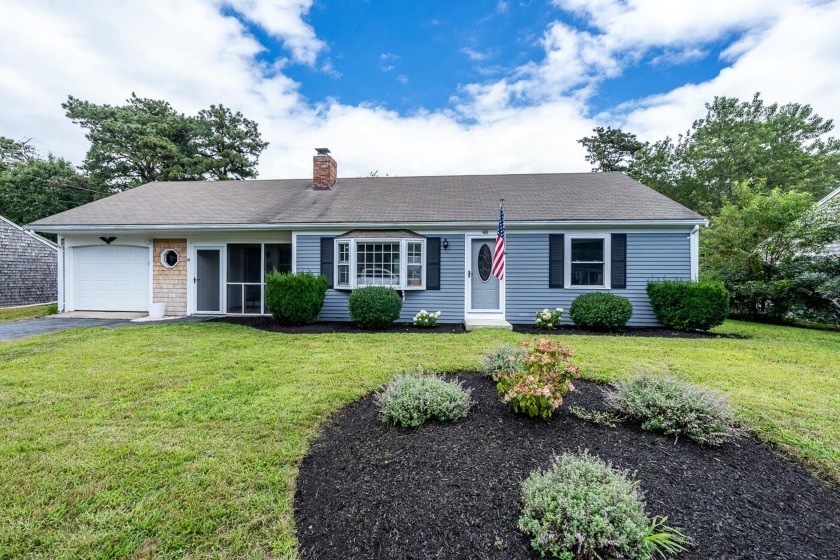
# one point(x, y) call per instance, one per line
point(29, 312)
point(184, 439)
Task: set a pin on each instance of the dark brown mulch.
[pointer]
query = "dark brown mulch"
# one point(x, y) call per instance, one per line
point(656, 332)
point(326, 327)
point(367, 490)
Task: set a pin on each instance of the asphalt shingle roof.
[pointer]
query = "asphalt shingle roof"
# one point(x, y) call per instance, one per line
point(464, 198)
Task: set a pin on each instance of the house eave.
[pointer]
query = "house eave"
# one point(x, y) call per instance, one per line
point(350, 225)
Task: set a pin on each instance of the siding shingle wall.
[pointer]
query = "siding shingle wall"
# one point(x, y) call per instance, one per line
point(28, 268)
point(449, 300)
point(169, 285)
point(649, 256)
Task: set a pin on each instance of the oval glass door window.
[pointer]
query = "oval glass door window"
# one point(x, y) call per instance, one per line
point(485, 263)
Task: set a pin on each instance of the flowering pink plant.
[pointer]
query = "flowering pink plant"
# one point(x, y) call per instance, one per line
point(545, 378)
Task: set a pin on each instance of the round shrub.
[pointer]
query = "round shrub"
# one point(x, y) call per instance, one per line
point(295, 298)
point(599, 310)
point(374, 307)
point(674, 407)
point(412, 398)
point(689, 306)
point(580, 508)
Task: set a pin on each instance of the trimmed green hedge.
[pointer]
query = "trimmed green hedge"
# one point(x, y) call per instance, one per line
point(295, 298)
point(689, 306)
point(374, 307)
point(600, 310)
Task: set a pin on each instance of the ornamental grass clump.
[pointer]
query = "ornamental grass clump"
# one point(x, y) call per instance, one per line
point(582, 509)
point(548, 319)
point(537, 389)
point(414, 397)
point(675, 407)
point(503, 359)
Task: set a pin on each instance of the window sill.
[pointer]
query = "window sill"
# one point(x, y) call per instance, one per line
point(575, 287)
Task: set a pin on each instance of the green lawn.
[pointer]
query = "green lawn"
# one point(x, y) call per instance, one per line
point(184, 440)
point(18, 313)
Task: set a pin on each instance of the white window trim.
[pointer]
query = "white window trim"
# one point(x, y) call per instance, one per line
point(403, 261)
point(567, 260)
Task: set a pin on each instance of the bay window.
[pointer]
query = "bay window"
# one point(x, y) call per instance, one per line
point(392, 262)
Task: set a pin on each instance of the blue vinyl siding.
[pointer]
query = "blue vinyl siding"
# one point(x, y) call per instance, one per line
point(649, 256)
point(449, 300)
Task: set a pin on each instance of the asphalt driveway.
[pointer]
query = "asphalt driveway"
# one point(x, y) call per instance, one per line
point(44, 325)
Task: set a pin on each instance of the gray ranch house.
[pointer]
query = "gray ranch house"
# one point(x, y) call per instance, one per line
point(205, 247)
point(28, 264)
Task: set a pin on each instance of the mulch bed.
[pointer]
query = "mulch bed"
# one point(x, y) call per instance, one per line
point(656, 332)
point(326, 327)
point(368, 490)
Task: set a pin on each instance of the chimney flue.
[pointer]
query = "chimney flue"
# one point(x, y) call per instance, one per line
point(324, 170)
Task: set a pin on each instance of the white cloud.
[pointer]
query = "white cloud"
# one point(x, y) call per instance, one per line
point(284, 20)
point(527, 120)
point(795, 60)
point(475, 55)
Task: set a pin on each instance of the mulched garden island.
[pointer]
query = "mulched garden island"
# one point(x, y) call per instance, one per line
point(450, 491)
point(325, 327)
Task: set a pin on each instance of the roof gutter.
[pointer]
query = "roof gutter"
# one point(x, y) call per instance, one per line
point(349, 225)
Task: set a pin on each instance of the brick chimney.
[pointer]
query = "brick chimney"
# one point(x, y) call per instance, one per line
point(324, 170)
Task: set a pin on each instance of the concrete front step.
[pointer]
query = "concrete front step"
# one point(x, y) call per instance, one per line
point(486, 323)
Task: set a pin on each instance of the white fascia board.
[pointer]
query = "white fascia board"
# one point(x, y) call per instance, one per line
point(372, 225)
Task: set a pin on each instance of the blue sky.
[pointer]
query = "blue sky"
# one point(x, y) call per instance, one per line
point(409, 55)
point(421, 87)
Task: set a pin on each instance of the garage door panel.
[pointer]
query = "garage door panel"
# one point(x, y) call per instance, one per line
point(111, 278)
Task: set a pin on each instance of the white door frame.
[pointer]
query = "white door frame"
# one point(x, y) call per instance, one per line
point(485, 313)
point(192, 270)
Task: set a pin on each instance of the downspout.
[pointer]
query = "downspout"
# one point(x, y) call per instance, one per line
point(694, 245)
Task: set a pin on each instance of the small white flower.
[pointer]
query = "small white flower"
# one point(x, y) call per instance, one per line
point(545, 310)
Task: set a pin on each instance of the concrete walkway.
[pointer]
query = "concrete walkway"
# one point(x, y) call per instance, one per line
point(63, 322)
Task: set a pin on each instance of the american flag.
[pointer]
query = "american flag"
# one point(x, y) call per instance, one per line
point(499, 254)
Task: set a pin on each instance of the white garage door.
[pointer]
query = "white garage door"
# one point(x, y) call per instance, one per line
point(111, 278)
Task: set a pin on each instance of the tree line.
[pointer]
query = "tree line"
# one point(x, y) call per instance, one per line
point(756, 171)
point(142, 141)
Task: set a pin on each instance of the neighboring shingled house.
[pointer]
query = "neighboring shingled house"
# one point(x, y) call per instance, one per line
point(28, 267)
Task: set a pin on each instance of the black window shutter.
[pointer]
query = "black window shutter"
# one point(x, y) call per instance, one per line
point(433, 263)
point(556, 247)
point(327, 259)
point(619, 261)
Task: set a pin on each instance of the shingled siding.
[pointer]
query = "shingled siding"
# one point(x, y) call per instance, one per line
point(449, 300)
point(170, 284)
point(27, 268)
point(649, 255)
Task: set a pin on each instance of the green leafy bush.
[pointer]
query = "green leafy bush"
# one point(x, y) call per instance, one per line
point(503, 358)
point(548, 319)
point(52, 309)
point(538, 387)
point(295, 298)
point(689, 306)
point(374, 307)
point(580, 508)
point(600, 310)
point(414, 397)
point(675, 407)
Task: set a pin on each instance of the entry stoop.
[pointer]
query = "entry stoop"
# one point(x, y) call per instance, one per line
point(486, 323)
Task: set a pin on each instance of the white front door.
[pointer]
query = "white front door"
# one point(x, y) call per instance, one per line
point(110, 278)
point(484, 291)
